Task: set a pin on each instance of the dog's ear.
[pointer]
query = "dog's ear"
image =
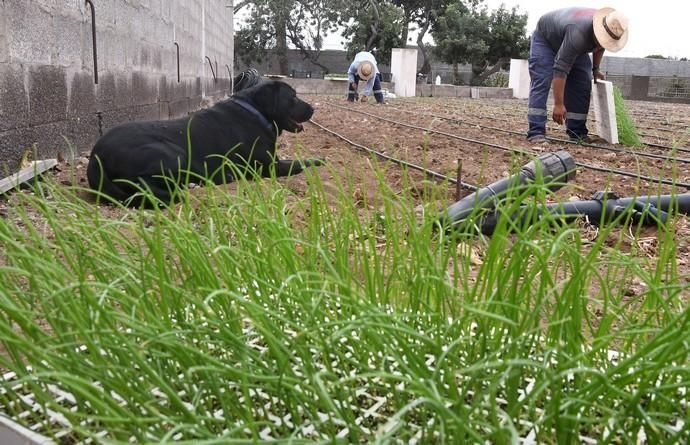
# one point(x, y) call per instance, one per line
point(266, 98)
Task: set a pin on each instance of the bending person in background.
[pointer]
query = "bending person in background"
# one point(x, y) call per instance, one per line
point(559, 60)
point(364, 68)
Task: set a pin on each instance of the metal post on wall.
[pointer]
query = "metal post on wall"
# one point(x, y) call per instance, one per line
point(178, 61)
point(95, 47)
point(213, 71)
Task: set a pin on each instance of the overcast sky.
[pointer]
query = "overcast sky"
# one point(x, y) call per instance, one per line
point(656, 27)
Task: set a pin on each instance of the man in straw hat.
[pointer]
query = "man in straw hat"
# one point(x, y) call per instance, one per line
point(559, 60)
point(364, 68)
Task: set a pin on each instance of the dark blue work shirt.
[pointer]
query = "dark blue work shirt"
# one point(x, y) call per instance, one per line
point(570, 33)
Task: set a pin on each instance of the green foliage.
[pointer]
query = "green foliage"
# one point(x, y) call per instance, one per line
point(272, 24)
point(374, 27)
point(497, 80)
point(459, 34)
point(257, 314)
point(627, 133)
point(422, 15)
point(484, 40)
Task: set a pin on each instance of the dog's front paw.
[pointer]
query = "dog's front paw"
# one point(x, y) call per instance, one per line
point(313, 162)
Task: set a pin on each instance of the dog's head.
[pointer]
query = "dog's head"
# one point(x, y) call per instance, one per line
point(279, 103)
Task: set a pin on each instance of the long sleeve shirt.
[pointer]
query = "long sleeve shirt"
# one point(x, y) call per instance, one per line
point(570, 33)
point(352, 71)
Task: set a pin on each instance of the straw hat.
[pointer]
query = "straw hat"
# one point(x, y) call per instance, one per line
point(611, 29)
point(365, 70)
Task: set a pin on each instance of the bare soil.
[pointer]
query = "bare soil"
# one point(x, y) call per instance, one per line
point(479, 138)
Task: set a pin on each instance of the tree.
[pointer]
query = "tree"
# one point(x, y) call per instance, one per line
point(507, 39)
point(273, 24)
point(487, 41)
point(459, 35)
point(309, 24)
point(374, 26)
point(265, 28)
point(423, 15)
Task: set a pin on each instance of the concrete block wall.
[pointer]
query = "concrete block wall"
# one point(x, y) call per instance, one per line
point(48, 97)
point(630, 66)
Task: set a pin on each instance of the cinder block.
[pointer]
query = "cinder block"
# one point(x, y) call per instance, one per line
point(519, 79)
point(82, 95)
point(178, 108)
point(3, 33)
point(463, 91)
point(66, 50)
point(112, 118)
point(424, 90)
point(144, 88)
point(164, 110)
point(47, 95)
point(605, 111)
point(443, 91)
point(11, 149)
point(14, 108)
point(490, 93)
point(30, 35)
point(106, 92)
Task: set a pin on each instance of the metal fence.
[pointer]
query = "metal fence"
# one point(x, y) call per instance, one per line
point(669, 87)
point(653, 87)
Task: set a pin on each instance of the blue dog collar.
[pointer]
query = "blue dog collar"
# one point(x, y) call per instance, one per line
point(249, 107)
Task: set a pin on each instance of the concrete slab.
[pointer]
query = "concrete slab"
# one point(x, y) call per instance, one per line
point(605, 111)
point(24, 175)
point(463, 91)
point(424, 90)
point(444, 91)
point(519, 79)
point(490, 93)
point(11, 433)
point(404, 70)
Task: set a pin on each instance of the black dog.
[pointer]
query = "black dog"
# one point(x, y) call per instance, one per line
point(242, 130)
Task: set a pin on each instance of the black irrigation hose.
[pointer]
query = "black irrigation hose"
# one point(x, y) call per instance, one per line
point(515, 150)
point(565, 141)
point(409, 165)
point(650, 144)
point(663, 117)
point(645, 127)
point(601, 147)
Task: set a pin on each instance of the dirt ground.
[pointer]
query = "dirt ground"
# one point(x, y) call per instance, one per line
point(485, 124)
point(478, 133)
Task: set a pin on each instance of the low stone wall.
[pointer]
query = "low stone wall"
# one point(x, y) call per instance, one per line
point(325, 86)
point(339, 87)
point(427, 90)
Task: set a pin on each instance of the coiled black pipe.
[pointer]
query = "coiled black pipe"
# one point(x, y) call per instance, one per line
point(603, 208)
point(556, 169)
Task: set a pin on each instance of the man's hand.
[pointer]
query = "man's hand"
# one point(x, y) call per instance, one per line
point(598, 75)
point(559, 112)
